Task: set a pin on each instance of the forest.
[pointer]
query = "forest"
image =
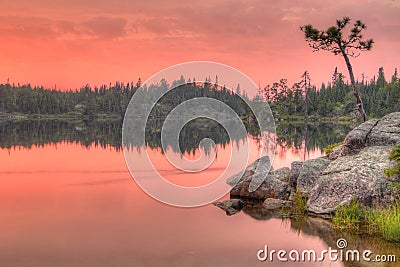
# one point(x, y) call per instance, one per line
point(334, 99)
point(301, 100)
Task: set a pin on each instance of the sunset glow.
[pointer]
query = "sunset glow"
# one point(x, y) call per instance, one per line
point(67, 44)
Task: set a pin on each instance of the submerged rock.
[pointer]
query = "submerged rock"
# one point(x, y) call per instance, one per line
point(273, 204)
point(230, 206)
point(359, 176)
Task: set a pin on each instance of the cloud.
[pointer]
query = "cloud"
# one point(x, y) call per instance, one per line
point(105, 27)
point(26, 27)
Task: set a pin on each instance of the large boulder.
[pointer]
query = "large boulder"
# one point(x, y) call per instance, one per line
point(310, 172)
point(358, 176)
point(356, 139)
point(275, 184)
point(386, 132)
point(375, 132)
point(263, 164)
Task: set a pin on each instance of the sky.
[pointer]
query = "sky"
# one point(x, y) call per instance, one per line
point(66, 44)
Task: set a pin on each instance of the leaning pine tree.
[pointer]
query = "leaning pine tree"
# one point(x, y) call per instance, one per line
point(333, 40)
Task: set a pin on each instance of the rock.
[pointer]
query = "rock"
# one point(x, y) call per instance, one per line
point(256, 210)
point(310, 172)
point(282, 174)
point(272, 204)
point(264, 164)
point(383, 132)
point(275, 184)
point(337, 152)
point(295, 172)
point(356, 139)
point(230, 206)
point(292, 195)
point(359, 176)
point(386, 132)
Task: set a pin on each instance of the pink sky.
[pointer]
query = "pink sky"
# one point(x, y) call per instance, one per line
point(74, 42)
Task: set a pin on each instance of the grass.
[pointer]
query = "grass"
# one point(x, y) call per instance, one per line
point(350, 216)
point(299, 206)
point(356, 217)
point(329, 148)
point(388, 221)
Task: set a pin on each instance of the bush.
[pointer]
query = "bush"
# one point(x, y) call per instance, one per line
point(329, 148)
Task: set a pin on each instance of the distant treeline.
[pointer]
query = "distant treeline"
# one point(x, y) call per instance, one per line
point(112, 99)
point(335, 99)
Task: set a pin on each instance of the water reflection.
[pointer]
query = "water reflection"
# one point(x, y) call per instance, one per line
point(68, 205)
point(324, 230)
point(302, 137)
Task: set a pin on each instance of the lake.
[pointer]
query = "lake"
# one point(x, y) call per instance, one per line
point(68, 199)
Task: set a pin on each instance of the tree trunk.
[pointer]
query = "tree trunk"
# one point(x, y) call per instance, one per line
point(359, 103)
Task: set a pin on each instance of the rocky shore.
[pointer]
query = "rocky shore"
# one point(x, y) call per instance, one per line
point(354, 170)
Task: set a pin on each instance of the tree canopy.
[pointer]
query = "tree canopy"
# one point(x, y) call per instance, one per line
point(335, 40)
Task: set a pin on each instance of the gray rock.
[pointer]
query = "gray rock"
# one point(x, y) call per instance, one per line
point(386, 132)
point(230, 206)
point(295, 172)
point(383, 132)
point(264, 164)
point(256, 210)
point(273, 204)
point(310, 173)
point(356, 139)
point(336, 152)
point(274, 185)
point(282, 174)
point(359, 176)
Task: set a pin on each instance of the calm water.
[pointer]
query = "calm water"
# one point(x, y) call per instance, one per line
point(73, 203)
